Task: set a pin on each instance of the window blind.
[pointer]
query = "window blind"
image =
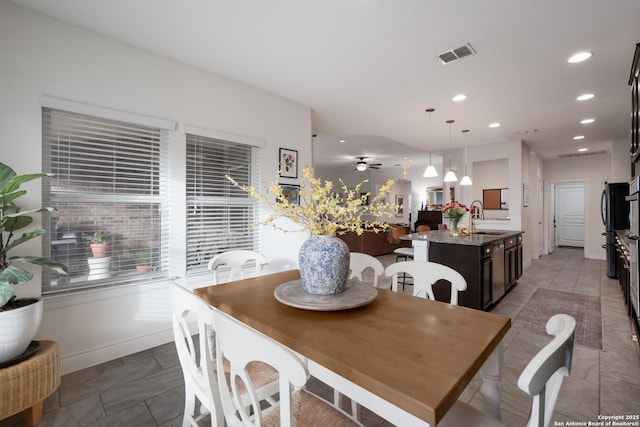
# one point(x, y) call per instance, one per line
point(110, 176)
point(219, 215)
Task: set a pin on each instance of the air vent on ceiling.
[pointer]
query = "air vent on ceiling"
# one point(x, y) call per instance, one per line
point(584, 153)
point(455, 54)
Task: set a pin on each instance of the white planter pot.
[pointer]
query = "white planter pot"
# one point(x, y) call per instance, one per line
point(19, 326)
point(99, 268)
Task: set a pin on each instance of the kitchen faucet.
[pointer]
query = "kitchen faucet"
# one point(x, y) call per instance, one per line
point(475, 213)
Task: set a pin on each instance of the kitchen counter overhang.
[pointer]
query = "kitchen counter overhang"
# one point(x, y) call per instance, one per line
point(479, 238)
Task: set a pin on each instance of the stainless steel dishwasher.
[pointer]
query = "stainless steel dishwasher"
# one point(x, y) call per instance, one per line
point(498, 285)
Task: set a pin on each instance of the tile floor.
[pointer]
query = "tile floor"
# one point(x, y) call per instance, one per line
point(146, 389)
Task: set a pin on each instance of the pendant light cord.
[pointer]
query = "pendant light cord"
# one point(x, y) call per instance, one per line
point(430, 110)
point(450, 122)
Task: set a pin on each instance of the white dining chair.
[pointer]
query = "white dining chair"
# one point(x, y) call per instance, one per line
point(425, 274)
point(243, 346)
point(359, 262)
point(541, 379)
point(198, 362)
point(235, 261)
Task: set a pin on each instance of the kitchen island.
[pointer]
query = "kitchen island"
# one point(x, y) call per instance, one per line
point(489, 260)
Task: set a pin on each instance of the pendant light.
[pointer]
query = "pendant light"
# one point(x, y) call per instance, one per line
point(466, 180)
point(430, 171)
point(451, 175)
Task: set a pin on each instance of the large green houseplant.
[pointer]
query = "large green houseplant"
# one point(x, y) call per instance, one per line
point(14, 227)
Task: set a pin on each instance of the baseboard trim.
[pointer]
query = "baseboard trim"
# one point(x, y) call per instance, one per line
point(75, 362)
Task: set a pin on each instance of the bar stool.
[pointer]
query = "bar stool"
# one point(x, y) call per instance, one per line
point(402, 252)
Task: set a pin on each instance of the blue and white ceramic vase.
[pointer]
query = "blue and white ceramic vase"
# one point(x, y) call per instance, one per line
point(324, 265)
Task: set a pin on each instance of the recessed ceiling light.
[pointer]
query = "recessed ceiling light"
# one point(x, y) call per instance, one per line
point(587, 121)
point(578, 137)
point(460, 97)
point(342, 141)
point(583, 149)
point(494, 125)
point(585, 96)
point(579, 57)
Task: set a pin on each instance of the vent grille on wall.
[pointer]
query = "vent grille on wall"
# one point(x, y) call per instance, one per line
point(585, 153)
point(455, 54)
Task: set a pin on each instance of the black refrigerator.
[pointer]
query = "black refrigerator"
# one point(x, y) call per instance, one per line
point(615, 216)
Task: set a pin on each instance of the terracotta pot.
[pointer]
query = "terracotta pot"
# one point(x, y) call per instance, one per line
point(143, 268)
point(99, 250)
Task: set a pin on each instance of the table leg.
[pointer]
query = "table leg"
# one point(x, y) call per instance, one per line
point(491, 373)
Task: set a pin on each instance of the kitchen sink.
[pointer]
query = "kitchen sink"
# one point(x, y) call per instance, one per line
point(489, 233)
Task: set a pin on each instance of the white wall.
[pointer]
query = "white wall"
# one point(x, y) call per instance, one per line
point(593, 171)
point(42, 56)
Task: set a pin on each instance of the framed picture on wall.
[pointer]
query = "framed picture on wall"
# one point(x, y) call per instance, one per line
point(291, 192)
point(288, 163)
point(399, 205)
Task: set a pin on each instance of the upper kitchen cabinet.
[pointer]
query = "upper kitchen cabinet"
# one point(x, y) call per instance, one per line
point(635, 112)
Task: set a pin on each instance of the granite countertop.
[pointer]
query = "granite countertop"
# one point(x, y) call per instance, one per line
point(480, 238)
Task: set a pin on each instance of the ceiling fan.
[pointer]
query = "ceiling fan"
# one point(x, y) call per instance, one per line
point(362, 165)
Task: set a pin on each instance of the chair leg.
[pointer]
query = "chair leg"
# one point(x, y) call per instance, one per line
point(188, 418)
point(404, 275)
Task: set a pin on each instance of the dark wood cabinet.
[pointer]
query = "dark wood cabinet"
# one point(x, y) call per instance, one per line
point(635, 112)
point(468, 261)
point(475, 263)
point(487, 276)
point(512, 260)
point(430, 218)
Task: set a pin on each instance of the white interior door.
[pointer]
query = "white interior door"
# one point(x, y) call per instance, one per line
point(540, 218)
point(569, 205)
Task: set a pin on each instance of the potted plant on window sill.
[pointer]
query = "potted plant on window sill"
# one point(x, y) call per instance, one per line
point(100, 263)
point(99, 244)
point(20, 317)
point(143, 262)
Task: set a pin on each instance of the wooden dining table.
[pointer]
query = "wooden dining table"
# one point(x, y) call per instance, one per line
point(405, 358)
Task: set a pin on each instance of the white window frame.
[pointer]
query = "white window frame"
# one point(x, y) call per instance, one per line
point(238, 199)
point(131, 133)
point(174, 135)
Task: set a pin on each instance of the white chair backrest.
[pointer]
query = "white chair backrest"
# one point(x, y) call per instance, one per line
point(359, 262)
point(241, 345)
point(235, 260)
point(543, 375)
point(425, 274)
point(197, 367)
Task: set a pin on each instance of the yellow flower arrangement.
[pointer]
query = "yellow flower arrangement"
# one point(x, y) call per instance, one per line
point(323, 211)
